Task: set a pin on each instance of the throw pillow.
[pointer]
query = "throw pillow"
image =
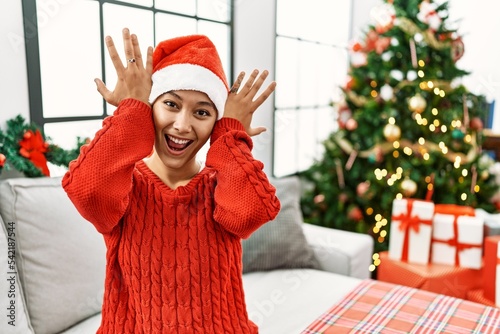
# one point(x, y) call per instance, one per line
point(280, 243)
point(60, 256)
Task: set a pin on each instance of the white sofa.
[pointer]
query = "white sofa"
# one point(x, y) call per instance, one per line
point(52, 264)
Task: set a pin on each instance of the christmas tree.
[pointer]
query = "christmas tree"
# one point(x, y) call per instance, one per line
point(408, 127)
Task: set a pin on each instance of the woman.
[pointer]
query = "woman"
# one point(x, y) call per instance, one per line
point(172, 227)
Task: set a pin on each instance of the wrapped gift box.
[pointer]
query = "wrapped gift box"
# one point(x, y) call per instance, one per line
point(457, 236)
point(491, 222)
point(491, 269)
point(411, 230)
point(444, 279)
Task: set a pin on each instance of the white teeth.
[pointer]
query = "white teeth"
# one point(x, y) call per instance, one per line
point(178, 141)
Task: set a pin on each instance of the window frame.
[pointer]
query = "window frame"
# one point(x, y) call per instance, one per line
point(297, 107)
point(35, 95)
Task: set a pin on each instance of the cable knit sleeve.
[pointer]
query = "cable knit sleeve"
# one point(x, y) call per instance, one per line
point(99, 181)
point(244, 198)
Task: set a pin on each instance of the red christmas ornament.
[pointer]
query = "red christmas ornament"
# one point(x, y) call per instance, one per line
point(362, 188)
point(2, 160)
point(351, 124)
point(319, 199)
point(497, 205)
point(375, 42)
point(345, 114)
point(355, 214)
point(476, 123)
point(457, 49)
point(33, 147)
point(356, 47)
point(343, 197)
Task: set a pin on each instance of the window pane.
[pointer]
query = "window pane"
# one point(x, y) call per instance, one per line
point(329, 25)
point(70, 59)
point(146, 3)
point(325, 124)
point(308, 74)
point(285, 142)
point(115, 19)
point(288, 15)
point(169, 26)
point(308, 140)
point(324, 21)
point(219, 34)
point(218, 10)
point(287, 64)
point(64, 134)
point(339, 61)
point(185, 6)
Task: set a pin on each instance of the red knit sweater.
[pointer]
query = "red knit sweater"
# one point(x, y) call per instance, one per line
point(173, 256)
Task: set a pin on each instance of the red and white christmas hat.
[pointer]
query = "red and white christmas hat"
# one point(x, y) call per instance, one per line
point(189, 63)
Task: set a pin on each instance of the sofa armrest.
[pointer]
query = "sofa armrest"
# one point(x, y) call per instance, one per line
point(341, 252)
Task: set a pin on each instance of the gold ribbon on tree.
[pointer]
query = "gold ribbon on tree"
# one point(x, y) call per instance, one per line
point(386, 147)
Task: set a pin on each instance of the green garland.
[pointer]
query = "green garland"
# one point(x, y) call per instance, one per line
point(25, 148)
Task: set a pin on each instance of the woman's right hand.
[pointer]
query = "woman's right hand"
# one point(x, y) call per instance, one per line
point(134, 80)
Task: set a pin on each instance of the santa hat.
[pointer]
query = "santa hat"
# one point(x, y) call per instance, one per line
point(189, 63)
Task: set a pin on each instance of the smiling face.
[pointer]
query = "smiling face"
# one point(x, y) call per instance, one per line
point(183, 120)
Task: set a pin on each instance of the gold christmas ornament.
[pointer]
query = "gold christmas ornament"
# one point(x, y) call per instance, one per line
point(417, 103)
point(408, 187)
point(392, 132)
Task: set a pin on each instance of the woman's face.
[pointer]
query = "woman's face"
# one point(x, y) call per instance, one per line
point(183, 120)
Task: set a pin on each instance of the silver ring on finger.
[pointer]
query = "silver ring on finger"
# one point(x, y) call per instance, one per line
point(131, 60)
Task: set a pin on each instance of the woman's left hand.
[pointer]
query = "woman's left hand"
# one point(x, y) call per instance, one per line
point(241, 104)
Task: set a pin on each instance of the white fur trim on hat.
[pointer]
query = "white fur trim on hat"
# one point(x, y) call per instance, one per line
point(190, 77)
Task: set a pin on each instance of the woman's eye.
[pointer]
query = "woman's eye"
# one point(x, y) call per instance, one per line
point(204, 113)
point(169, 104)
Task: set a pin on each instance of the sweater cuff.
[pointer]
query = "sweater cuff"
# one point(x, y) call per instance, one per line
point(225, 125)
point(131, 103)
point(231, 124)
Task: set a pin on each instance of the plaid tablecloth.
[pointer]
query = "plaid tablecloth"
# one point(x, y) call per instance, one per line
point(380, 307)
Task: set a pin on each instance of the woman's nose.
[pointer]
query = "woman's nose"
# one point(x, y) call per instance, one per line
point(182, 121)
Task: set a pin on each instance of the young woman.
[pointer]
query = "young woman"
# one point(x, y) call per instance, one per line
point(172, 227)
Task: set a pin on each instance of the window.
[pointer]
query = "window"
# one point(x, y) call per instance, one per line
point(311, 65)
point(65, 51)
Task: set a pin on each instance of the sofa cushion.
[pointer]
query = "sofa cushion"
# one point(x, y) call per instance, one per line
point(60, 256)
point(289, 300)
point(281, 242)
point(87, 326)
point(16, 320)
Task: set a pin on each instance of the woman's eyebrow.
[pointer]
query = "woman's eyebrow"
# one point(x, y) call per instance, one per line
point(206, 103)
point(201, 103)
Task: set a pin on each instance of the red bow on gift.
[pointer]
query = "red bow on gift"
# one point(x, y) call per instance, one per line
point(33, 147)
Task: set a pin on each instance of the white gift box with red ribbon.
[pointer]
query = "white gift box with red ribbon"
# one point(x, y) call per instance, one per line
point(457, 236)
point(411, 229)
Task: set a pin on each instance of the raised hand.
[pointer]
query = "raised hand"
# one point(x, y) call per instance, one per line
point(241, 104)
point(134, 79)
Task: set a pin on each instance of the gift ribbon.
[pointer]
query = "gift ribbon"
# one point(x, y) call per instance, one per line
point(408, 221)
point(462, 211)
